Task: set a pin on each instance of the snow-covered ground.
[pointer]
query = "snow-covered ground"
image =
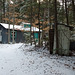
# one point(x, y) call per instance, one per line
point(17, 60)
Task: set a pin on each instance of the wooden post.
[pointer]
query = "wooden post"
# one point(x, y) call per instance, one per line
point(51, 40)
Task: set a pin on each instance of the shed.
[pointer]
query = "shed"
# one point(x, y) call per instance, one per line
point(4, 33)
point(34, 30)
point(63, 39)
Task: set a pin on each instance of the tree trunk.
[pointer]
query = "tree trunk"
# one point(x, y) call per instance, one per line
point(4, 9)
point(13, 21)
point(56, 29)
point(66, 12)
point(73, 7)
point(9, 26)
point(63, 11)
point(0, 15)
point(39, 21)
point(31, 23)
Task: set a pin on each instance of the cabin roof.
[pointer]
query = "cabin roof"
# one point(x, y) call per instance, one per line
point(6, 26)
point(18, 27)
point(25, 23)
point(66, 25)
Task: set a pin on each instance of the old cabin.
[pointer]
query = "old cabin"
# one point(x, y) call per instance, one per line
point(18, 33)
point(34, 30)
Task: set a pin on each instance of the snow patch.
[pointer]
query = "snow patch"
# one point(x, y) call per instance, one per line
point(16, 59)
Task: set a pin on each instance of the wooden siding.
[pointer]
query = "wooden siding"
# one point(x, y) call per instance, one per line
point(19, 37)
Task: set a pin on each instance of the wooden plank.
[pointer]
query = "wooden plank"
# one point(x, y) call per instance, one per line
point(51, 40)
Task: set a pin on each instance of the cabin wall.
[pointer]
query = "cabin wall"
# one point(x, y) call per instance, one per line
point(63, 40)
point(20, 37)
point(4, 35)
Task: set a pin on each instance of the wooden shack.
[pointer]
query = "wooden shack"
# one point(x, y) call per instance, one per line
point(64, 34)
point(18, 33)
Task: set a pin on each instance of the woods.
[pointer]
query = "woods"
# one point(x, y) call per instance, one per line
point(37, 37)
point(45, 15)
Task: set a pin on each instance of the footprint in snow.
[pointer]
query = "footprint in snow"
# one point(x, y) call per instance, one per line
point(1, 67)
point(11, 70)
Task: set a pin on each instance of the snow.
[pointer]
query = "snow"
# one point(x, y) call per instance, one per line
point(16, 59)
point(25, 23)
point(11, 2)
point(18, 27)
point(32, 29)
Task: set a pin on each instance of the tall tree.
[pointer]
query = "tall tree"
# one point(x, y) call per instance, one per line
point(13, 40)
point(1, 11)
point(31, 23)
point(66, 12)
point(4, 8)
point(73, 7)
point(39, 20)
point(9, 25)
point(56, 28)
